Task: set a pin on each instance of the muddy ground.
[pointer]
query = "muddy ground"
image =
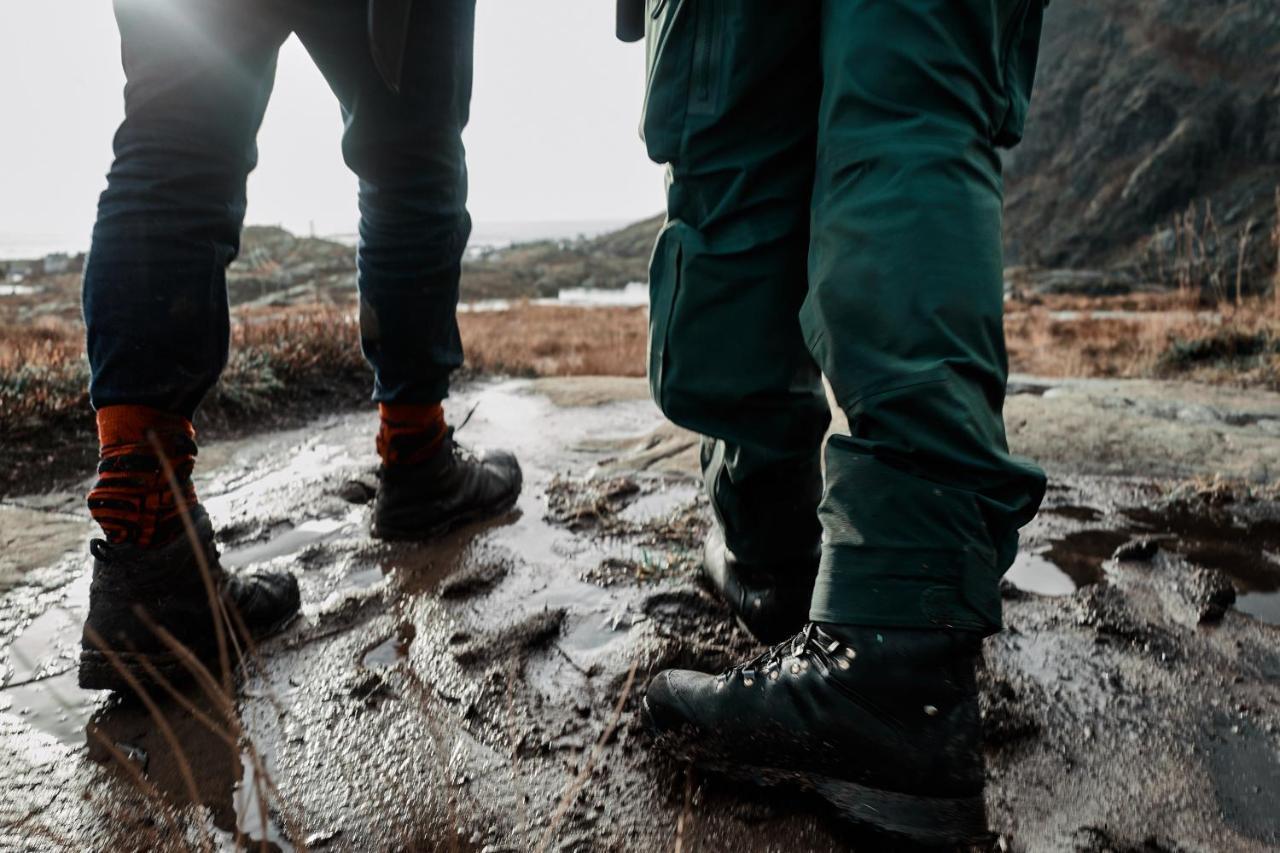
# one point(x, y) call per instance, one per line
point(481, 693)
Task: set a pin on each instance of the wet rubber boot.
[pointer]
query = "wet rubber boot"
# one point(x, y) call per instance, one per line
point(770, 602)
point(881, 723)
point(144, 600)
point(452, 488)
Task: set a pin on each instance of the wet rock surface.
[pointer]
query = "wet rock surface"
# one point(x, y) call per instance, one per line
point(481, 692)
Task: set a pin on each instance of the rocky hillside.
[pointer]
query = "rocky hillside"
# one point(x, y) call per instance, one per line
point(278, 268)
point(1141, 111)
point(546, 267)
point(1151, 151)
point(1152, 155)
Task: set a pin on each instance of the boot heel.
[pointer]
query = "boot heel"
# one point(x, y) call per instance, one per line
point(98, 672)
point(927, 820)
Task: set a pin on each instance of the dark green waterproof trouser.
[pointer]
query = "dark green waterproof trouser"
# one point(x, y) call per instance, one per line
point(834, 208)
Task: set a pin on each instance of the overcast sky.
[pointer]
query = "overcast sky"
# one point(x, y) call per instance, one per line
point(552, 137)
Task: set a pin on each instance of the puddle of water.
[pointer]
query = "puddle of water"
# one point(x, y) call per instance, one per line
point(1073, 561)
point(352, 584)
point(1078, 513)
point(249, 808)
point(391, 650)
point(364, 578)
point(246, 484)
point(1260, 605)
point(224, 775)
point(45, 645)
point(660, 503)
point(56, 706)
point(1244, 767)
point(1031, 572)
point(49, 650)
point(1249, 554)
point(291, 541)
point(1081, 554)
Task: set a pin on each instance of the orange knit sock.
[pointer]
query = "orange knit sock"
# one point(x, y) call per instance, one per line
point(133, 501)
point(409, 432)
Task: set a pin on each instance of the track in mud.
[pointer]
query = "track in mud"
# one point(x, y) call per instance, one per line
point(481, 692)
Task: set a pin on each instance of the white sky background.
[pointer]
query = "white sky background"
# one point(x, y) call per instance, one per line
point(552, 137)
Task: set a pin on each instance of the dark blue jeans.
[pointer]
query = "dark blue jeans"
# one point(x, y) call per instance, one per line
point(200, 73)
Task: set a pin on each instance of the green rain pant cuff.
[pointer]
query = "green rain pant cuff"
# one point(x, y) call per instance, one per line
point(900, 551)
point(940, 590)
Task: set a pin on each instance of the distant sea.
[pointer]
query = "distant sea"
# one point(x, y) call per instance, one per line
point(484, 235)
point(26, 247)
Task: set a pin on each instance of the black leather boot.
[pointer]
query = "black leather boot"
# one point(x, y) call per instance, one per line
point(138, 595)
point(450, 489)
point(881, 723)
point(771, 602)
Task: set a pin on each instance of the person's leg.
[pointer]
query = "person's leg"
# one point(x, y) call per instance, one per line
point(406, 149)
point(731, 106)
point(199, 75)
point(874, 704)
point(923, 500)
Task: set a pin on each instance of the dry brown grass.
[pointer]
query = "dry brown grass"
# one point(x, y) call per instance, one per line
point(1234, 345)
point(309, 352)
point(306, 352)
point(1141, 300)
point(43, 373)
point(548, 340)
point(275, 356)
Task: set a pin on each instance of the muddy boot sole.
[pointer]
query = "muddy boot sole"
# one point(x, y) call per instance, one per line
point(99, 670)
point(924, 821)
point(419, 533)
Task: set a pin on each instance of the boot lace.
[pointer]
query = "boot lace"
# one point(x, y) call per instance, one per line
point(461, 451)
point(811, 647)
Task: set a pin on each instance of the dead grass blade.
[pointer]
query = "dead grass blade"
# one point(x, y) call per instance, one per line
point(162, 724)
point(197, 548)
point(686, 814)
point(571, 793)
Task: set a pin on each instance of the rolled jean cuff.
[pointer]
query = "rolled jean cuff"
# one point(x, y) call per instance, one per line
point(427, 391)
point(896, 588)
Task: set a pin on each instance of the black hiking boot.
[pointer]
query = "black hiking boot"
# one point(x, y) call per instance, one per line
point(882, 723)
point(450, 489)
point(771, 602)
point(143, 601)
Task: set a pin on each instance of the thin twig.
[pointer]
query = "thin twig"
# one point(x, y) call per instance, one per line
point(589, 765)
point(514, 740)
point(166, 731)
point(197, 550)
point(47, 676)
point(686, 814)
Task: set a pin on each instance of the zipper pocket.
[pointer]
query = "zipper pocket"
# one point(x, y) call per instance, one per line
point(1014, 26)
point(1012, 29)
point(702, 88)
